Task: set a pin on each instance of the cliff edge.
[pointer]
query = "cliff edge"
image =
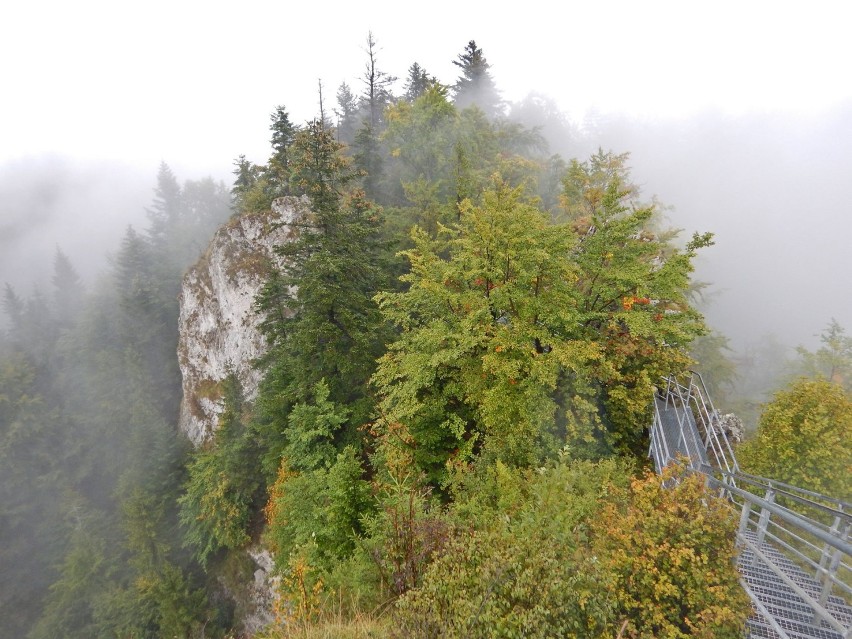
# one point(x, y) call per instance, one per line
point(219, 330)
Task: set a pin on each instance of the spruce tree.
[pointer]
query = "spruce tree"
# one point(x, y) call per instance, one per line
point(165, 210)
point(375, 99)
point(278, 170)
point(417, 83)
point(245, 177)
point(346, 112)
point(319, 312)
point(475, 85)
point(68, 290)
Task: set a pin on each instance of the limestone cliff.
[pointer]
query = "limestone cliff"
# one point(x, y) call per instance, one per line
point(219, 330)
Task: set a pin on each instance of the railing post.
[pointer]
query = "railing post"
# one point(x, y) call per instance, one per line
point(745, 516)
point(668, 389)
point(763, 522)
point(826, 549)
point(829, 573)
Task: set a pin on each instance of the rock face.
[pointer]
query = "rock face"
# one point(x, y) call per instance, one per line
point(263, 592)
point(732, 426)
point(219, 330)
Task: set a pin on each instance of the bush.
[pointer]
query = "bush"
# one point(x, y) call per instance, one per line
point(671, 553)
point(525, 572)
point(803, 438)
point(577, 550)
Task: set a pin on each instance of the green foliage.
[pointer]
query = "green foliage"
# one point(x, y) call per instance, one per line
point(803, 438)
point(312, 429)
point(246, 175)
point(585, 185)
point(441, 155)
point(515, 331)
point(475, 84)
point(68, 291)
point(669, 546)
point(578, 550)
point(315, 515)
point(518, 564)
point(331, 328)
point(222, 490)
point(86, 383)
point(495, 584)
point(368, 151)
point(214, 510)
point(417, 82)
point(633, 285)
point(405, 532)
point(70, 608)
point(278, 171)
point(420, 135)
point(346, 112)
point(481, 342)
point(516, 338)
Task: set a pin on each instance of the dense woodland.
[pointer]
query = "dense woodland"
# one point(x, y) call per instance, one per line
point(450, 437)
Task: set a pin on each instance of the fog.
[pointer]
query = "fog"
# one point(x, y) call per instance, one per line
point(80, 206)
point(775, 191)
point(771, 180)
point(774, 188)
point(733, 114)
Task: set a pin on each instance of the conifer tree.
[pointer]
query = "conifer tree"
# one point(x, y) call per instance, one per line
point(246, 175)
point(165, 210)
point(417, 83)
point(475, 84)
point(319, 312)
point(278, 170)
point(13, 307)
point(68, 289)
point(832, 360)
point(377, 96)
point(346, 112)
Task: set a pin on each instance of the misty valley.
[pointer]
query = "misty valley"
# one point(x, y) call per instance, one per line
point(399, 379)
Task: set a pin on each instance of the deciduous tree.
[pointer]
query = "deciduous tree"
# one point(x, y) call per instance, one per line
point(803, 438)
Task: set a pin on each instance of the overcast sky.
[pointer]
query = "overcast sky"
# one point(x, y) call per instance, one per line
point(192, 83)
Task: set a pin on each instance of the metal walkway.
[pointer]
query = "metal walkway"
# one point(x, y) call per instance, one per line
point(795, 557)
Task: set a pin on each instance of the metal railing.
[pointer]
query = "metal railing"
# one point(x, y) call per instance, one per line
point(795, 559)
point(706, 442)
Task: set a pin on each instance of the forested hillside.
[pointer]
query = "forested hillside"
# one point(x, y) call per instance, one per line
point(451, 432)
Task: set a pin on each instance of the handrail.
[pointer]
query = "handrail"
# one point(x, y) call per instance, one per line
point(792, 529)
point(766, 483)
point(845, 506)
point(787, 515)
point(820, 610)
point(695, 392)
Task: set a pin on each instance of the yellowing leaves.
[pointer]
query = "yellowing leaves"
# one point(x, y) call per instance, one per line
point(803, 438)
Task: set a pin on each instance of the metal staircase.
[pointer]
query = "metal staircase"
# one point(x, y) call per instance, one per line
point(795, 558)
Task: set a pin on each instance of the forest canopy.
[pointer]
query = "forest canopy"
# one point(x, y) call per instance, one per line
point(451, 432)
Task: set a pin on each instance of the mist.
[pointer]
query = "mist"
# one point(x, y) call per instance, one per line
point(80, 206)
point(774, 190)
point(772, 186)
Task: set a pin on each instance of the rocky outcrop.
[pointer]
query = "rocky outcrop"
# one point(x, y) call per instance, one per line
point(732, 426)
point(263, 592)
point(219, 330)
